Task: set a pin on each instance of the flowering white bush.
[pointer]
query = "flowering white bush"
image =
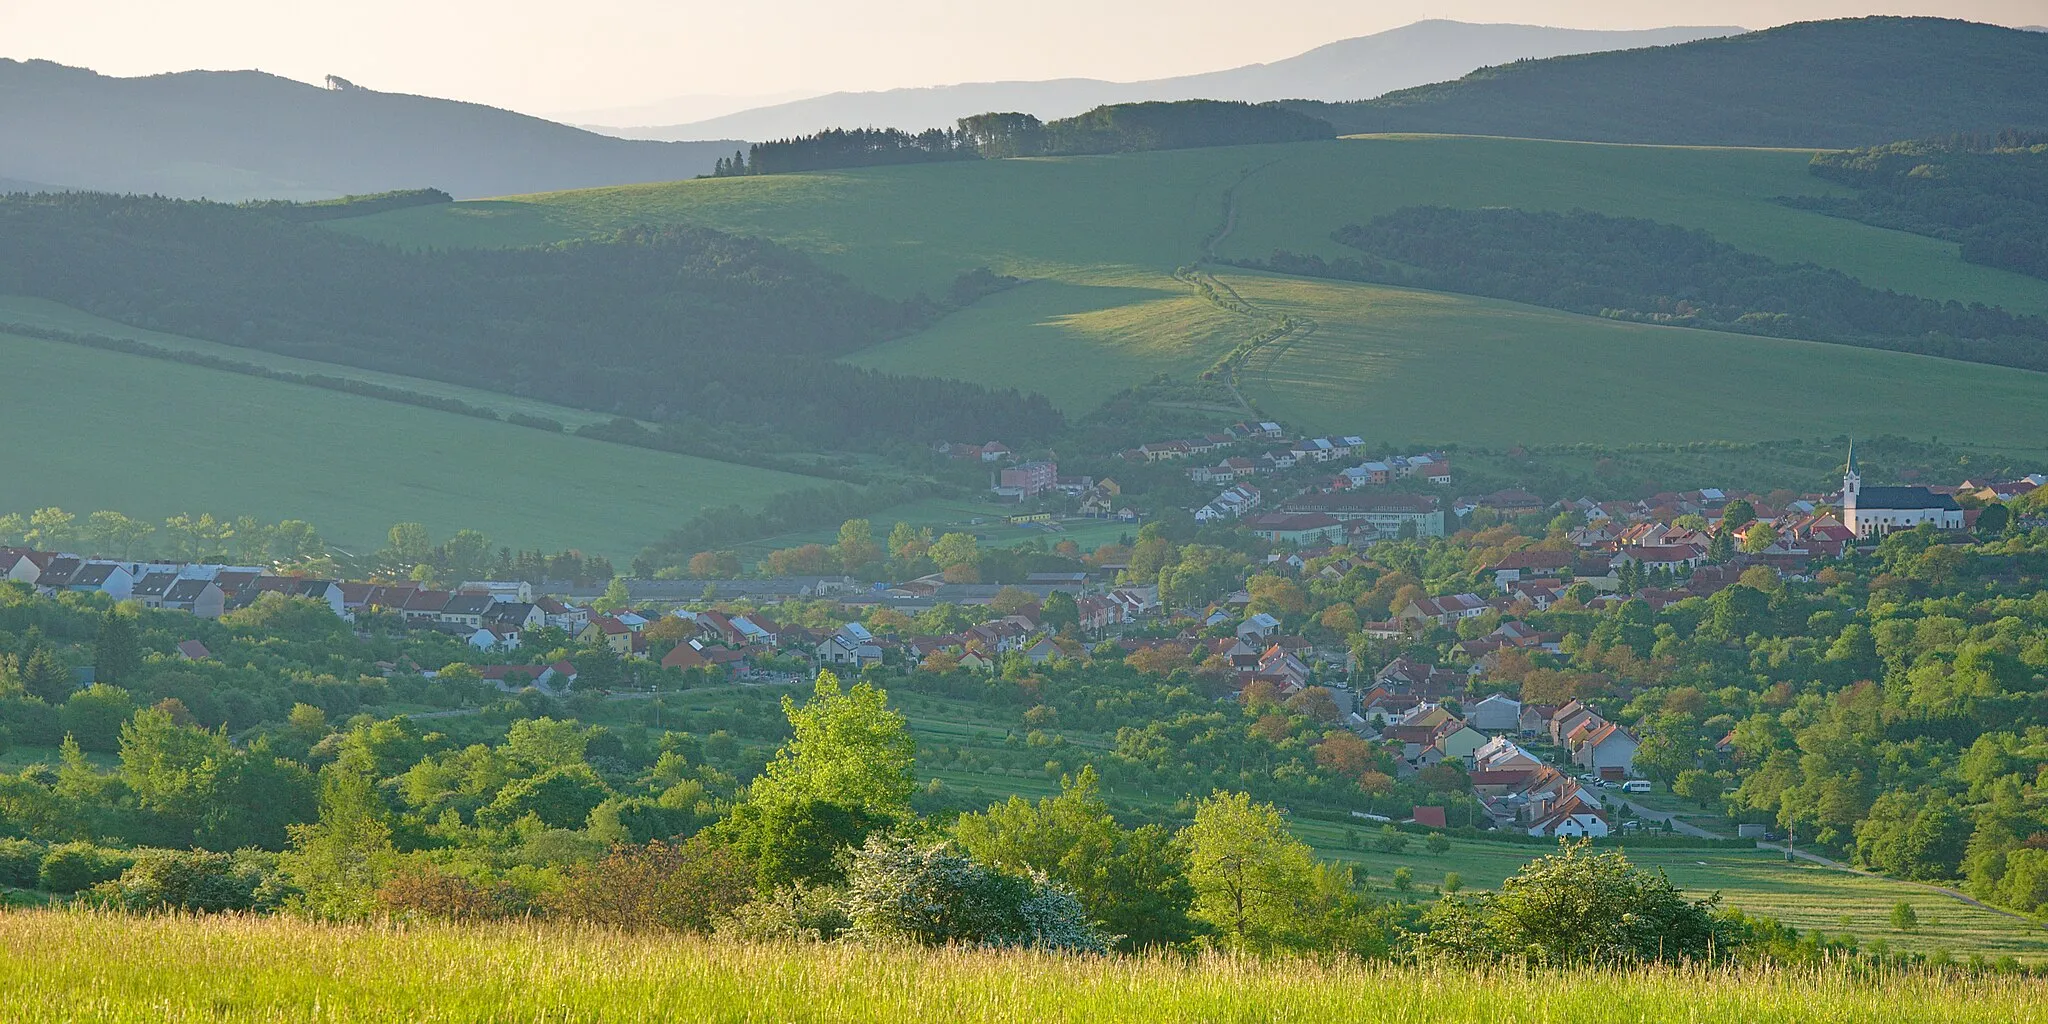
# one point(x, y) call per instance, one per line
point(899, 890)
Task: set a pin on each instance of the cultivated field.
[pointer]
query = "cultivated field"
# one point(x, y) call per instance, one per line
point(24, 311)
point(1099, 238)
point(1381, 362)
point(57, 967)
point(92, 429)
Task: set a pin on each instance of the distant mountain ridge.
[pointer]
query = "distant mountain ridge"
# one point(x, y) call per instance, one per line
point(1360, 68)
point(1826, 84)
point(233, 135)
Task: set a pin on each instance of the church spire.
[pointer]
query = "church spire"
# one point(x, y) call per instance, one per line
point(1852, 481)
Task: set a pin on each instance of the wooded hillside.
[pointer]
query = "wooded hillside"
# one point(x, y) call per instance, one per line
point(1988, 192)
point(1836, 84)
point(1635, 269)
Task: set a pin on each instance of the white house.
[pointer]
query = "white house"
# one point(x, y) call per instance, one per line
point(851, 646)
point(102, 578)
point(1574, 817)
point(1258, 629)
point(1497, 713)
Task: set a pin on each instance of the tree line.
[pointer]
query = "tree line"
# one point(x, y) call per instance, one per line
point(1640, 270)
point(670, 324)
point(1112, 128)
point(1988, 192)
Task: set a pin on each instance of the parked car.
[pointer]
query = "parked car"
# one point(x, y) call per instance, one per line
point(1588, 777)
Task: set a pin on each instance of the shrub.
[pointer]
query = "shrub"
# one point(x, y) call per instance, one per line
point(1904, 918)
point(76, 867)
point(425, 892)
point(683, 886)
point(189, 880)
point(927, 894)
point(799, 912)
point(20, 862)
point(536, 422)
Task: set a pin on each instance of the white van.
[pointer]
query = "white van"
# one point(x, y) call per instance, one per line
point(1636, 786)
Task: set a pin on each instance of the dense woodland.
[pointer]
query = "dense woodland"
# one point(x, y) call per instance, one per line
point(351, 206)
point(1641, 270)
point(672, 324)
point(1987, 192)
point(1115, 128)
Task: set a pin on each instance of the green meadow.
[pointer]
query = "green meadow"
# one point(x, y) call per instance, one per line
point(1427, 366)
point(64, 967)
point(34, 313)
point(1098, 239)
point(93, 429)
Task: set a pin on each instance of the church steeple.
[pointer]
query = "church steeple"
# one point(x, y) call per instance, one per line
point(1852, 481)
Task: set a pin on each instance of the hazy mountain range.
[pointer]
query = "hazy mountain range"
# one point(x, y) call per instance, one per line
point(1353, 69)
point(245, 134)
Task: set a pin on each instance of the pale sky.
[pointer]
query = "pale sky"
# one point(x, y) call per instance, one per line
point(550, 57)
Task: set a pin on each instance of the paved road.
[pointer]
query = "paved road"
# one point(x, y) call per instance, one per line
point(1639, 811)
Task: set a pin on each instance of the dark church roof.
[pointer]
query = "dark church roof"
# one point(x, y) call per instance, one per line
point(1905, 498)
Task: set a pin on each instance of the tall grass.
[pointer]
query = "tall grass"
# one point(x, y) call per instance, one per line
point(66, 966)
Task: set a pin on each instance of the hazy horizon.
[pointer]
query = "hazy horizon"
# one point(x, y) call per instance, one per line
point(619, 54)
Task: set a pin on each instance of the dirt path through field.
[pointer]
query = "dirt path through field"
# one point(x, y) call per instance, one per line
point(1943, 890)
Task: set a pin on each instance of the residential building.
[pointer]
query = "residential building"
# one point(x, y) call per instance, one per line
point(1027, 480)
point(199, 597)
point(851, 647)
point(1258, 628)
point(1446, 610)
point(1391, 514)
point(1301, 529)
point(1607, 750)
point(1495, 713)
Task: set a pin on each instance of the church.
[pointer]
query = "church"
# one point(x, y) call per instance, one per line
point(1875, 511)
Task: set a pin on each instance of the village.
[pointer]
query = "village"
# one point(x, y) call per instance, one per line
point(1424, 682)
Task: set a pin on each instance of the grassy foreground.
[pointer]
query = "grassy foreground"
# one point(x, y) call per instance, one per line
point(74, 967)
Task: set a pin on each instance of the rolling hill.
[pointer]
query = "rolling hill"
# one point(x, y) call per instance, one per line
point(1350, 69)
point(233, 135)
point(166, 438)
point(1834, 84)
point(1100, 238)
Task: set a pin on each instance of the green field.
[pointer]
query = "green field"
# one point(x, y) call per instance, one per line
point(88, 429)
point(58, 967)
point(1099, 237)
point(1381, 361)
point(24, 311)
